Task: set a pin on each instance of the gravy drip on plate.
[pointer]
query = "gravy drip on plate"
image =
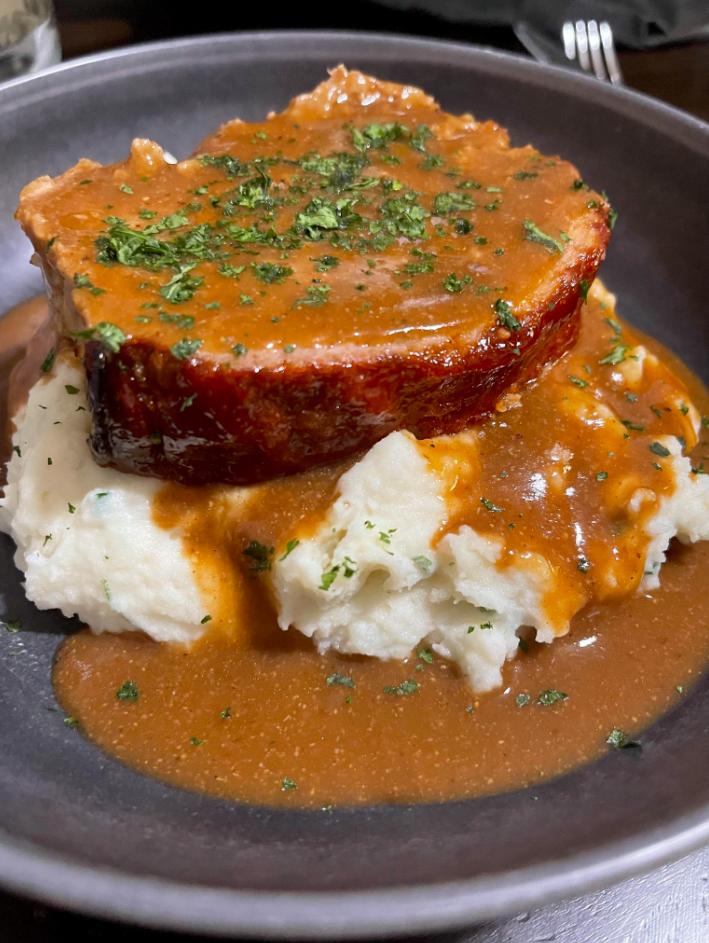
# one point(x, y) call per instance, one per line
point(255, 714)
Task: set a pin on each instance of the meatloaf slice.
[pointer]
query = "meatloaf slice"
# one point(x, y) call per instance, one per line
point(360, 263)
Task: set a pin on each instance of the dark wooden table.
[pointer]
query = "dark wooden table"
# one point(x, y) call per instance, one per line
point(669, 905)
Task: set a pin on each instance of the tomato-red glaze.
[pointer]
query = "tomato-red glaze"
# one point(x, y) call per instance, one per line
point(362, 262)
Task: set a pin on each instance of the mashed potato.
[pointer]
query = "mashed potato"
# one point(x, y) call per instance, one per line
point(385, 597)
point(85, 539)
point(372, 577)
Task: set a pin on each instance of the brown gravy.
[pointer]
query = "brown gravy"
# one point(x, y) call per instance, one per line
point(345, 746)
point(254, 718)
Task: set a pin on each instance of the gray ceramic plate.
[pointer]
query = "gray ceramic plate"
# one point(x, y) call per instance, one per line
point(80, 830)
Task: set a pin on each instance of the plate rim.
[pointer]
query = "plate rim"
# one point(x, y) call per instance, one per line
point(27, 868)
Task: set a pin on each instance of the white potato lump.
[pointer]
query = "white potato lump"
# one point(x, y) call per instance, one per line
point(85, 538)
point(390, 591)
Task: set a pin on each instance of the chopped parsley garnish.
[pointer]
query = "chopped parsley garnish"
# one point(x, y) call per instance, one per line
point(83, 281)
point(551, 696)
point(489, 506)
point(109, 334)
point(182, 285)
point(13, 625)
point(403, 215)
point(378, 135)
point(418, 140)
point(617, 355)
point(452, 202)
point(349, 567)
point(71, 507)
point(344, 680)
point(290, 547)
point(326, 262)
point(425, 654)
point(196, 742)
point(582, 565)
point(260, 555)
point(578, 382)
point(185, 348)
point(620, 740)
point(657, 448)
point(322, 215)
point(185, 322)
point(403, 689)
point(454, 284)
point(583, 290)
point(315, 297)
point(633, 426)
point(128, 691)
point(71, 723)
point(525, 175)
point(535, 234)
point(328, 578)
point(225, 714)
point(231, 271)
point(288, 784)
point(505, 316)
point(522, 700)
point(270, 273)
point(425, 265)
point(601, 476)
point(48, 361)
point(432, 162)
point(423, 562)
point(205, 619)
point(239, 349)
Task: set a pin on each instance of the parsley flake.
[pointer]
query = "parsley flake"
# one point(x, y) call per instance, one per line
point(403, 689)
point(128, 691)
point(535, 234)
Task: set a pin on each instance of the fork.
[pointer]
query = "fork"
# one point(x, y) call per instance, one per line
point(591, 45)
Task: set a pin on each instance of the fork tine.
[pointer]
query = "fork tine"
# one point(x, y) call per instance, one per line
point(568, 35)
point(582, 45)
point(594, 45)
point(606, 36)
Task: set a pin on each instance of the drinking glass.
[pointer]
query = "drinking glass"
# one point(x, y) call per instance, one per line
point(29, 40)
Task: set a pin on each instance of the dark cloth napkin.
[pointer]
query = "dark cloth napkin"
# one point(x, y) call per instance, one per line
point(636, 23)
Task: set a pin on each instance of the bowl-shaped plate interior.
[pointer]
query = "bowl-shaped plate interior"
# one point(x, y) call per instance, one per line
point(79, 828)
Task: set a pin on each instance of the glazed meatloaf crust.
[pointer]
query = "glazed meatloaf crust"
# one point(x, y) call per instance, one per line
point(362, 262)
